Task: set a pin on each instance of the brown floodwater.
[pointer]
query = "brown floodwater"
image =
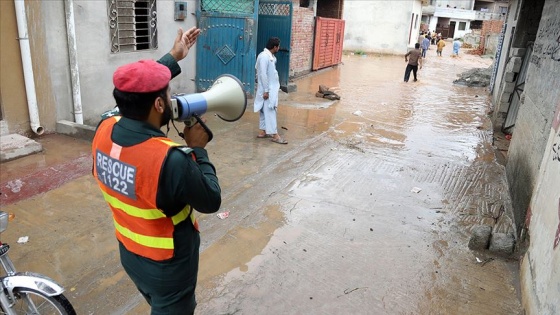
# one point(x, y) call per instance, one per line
point(344, 231)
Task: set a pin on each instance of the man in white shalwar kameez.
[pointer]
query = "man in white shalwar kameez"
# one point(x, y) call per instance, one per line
point(268, 84)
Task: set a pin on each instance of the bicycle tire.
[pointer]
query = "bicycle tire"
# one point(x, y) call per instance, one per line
point(46, 305)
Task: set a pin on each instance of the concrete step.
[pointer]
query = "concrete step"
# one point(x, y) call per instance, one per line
point(3, 128)
point(13, 146)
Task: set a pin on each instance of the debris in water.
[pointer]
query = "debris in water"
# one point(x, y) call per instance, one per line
point(348, 291)
point(483, 262)
point(479, 77)
point(328, 93)
point(223, 215)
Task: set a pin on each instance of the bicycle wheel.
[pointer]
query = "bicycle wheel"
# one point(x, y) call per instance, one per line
point(33, 302)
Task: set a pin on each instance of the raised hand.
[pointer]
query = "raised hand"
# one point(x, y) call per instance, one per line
point(183, 42)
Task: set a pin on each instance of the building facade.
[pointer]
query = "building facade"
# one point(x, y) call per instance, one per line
point(367, 23)
point(455, 18)
point(74, 46)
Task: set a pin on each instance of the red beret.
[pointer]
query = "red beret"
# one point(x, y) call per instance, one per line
point(141, 77)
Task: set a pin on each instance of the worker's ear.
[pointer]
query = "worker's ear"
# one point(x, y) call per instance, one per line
point(159, 105)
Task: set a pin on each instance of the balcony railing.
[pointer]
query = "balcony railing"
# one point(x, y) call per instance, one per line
point(461, 14)
point(455, 13)
point(485, 16)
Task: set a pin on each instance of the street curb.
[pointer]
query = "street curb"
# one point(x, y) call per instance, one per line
point(75, 130)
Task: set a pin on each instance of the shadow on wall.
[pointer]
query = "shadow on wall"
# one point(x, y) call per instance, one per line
point(520, 182)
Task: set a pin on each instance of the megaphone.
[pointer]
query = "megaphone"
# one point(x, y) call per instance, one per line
point(226, 97)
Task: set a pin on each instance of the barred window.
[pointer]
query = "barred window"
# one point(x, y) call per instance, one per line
point(133, 25)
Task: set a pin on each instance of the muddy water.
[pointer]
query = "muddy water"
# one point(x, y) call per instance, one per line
point(350, 236)
point(327, 224)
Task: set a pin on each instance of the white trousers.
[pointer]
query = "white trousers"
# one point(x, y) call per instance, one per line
point(267, 120)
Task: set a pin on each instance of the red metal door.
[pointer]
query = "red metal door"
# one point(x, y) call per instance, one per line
point(329, 36)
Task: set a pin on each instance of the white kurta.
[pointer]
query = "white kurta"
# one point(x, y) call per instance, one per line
point(267, 81)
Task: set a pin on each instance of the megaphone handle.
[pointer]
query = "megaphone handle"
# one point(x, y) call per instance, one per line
point(208, 131)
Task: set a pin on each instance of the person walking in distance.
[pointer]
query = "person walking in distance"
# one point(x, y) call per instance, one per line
point(414, 59)
point(425, 46)
point(153, 184)
point(268, 84)
point(456, 46)
point(440, 44)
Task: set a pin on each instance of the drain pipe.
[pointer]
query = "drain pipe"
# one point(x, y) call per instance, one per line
point(27, 67)
point(73, 54)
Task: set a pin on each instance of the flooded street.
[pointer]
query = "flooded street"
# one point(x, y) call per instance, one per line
point(367, 210)
point(343, 232)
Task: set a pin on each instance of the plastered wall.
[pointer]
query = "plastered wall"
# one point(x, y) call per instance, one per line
point(540, 277)
point(375, 26)
point(533, 164)
point(535, 156)
point(12, 86)
point(532, 127)
point(95, 60)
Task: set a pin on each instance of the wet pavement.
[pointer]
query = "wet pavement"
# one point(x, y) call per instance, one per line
point(330, 223)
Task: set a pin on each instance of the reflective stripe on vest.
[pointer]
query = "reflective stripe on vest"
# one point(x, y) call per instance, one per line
point(139, 225)
point(148, 214)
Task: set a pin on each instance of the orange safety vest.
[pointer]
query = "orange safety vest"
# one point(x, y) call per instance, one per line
point(128, 178)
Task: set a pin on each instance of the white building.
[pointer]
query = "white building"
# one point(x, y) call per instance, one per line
point(388, 27)
point(455, 18)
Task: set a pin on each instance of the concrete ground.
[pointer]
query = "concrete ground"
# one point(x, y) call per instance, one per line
point(367, 210)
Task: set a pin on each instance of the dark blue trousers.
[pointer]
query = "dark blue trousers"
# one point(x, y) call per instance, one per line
point(407, 72)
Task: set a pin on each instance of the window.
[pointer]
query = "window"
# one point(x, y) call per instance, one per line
point(503, 10)
point(462, 26)
point(304, 3)
point(476, 25)
point(132, 25)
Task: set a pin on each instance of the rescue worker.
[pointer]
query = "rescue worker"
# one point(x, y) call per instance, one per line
point(152, 184)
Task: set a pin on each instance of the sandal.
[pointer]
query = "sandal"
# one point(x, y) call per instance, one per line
point(279, 140)
point(264, 136)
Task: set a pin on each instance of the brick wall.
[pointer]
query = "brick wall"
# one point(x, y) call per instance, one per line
point(489, 27)
point(303, 32)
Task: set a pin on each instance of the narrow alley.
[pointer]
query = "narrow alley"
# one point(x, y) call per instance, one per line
point(367, 210)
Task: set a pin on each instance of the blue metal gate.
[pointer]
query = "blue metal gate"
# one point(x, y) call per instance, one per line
point(226, 43)
point(275, 19)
